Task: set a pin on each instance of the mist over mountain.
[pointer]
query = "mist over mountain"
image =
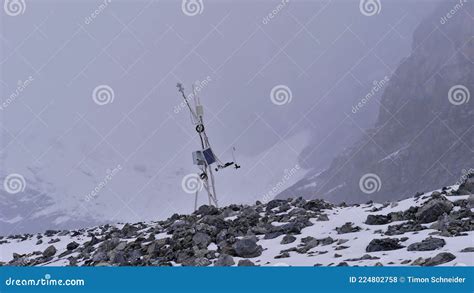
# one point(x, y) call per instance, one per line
point(84, 161)
point(424, 133)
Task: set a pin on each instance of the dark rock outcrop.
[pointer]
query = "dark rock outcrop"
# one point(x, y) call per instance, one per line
point(383, 244)
point(429, 243)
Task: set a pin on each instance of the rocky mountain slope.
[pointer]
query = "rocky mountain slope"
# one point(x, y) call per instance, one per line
point(424, 135)
point(426, 230)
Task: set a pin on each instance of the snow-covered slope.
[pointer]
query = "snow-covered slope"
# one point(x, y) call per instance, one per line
point(427, 229)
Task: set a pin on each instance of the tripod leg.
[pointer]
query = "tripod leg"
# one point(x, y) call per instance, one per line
point(196, 200)
point(213, 187)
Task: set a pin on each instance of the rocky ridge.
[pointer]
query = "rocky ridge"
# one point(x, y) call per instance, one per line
point(427, 229)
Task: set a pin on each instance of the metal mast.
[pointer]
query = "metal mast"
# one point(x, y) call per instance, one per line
point(205, 157)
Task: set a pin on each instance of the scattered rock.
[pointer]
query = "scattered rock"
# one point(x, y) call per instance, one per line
point(347, 228)
point(440, 258)
point(434, 208)
point(206, 210)
point(54, 240)
point(377, 220)
point(364, 257)
point(467, 187)
point(245, 263)
point(224, 260)
point(429, 243)
point(72, 245)
point(468, 249)
point(283, 255)
point(202, 262)
point(99, 256)
point(202, 240)
point(403, 228)
point(247, 247)
point(49, 251)
point(384, 244)
point(288, 239)
point(341, 247)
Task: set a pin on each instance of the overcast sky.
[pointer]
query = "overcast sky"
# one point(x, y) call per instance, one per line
point(63, 140)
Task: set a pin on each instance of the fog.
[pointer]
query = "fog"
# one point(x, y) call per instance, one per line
point(54, 54)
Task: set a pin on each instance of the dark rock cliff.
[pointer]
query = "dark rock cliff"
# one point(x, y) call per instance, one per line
point(424, 134)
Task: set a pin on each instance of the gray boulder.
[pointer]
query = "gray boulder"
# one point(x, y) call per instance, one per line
point(383, 244)
point(224, 260)
point(245, 263)
point(119, 258)
point(247, 247)
point(205, 210)
point(99, 256)
point(347, 228)
point(49, 251)
point(72, 245)
point(467, 187)
point(202, 240)
point(288, 239)
point(377, 220)
point(468, 249)
point(429, 243)
point(431, 210)
point(440, 258)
